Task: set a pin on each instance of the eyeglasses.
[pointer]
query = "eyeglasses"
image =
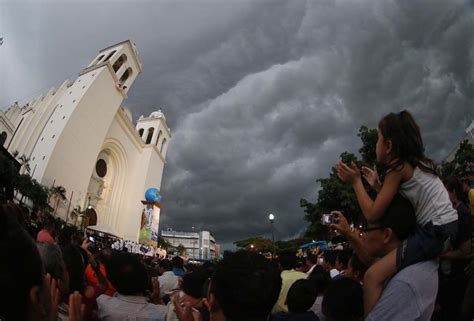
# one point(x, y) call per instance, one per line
point(366, 229)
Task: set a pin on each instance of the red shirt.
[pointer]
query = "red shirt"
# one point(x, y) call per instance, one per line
point(45, 237)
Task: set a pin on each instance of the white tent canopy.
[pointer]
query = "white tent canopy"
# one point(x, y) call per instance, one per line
point(103, 229)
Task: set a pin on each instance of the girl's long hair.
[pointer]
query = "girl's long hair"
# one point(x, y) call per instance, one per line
point(407, 145)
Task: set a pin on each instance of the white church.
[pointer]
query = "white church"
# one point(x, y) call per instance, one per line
point(80, 137)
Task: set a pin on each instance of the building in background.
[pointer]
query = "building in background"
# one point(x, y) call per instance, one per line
point(469, 136)
point(80, 137)
point(198, 245)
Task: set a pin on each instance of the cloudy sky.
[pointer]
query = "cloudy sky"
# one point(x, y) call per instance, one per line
point(261, 96)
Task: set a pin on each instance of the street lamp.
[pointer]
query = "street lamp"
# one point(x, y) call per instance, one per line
point(271, 217)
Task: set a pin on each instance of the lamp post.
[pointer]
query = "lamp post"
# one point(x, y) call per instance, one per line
point(271, 217)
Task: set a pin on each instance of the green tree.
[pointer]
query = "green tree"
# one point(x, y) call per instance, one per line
point(259, 243)
point(181, 249)
point(25, 162)
point(458, 166)
point(162, 243)
point(58, 193)
point(336, 195)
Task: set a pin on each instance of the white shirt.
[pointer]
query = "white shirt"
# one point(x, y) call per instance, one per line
point(334, 273)
point(168, 281)
point(127, 307)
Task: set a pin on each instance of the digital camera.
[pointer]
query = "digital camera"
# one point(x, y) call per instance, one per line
point(327, 219)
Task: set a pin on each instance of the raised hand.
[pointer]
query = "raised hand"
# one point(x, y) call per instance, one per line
point(340, 223)
point(53, 291)
point(372, 177)
point(347, 174)
point(76, 308)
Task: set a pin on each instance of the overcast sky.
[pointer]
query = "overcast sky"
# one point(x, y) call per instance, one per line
point(261, 96)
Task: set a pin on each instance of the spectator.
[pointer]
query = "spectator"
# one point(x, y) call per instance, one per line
point(453, 286)
point(289, 275)
point(311, 261)
point(24, 293)
point(129, 278)
point(91, 275)
point(168, 280)
point(320, 278)
point(301, 297)
point(343, 301)
point(355, 269)
point(411, 293)
point(342, 260)
point(191, 304)
point(46, 234)
point(330, 258)
point(178, 266)
point(244, 287)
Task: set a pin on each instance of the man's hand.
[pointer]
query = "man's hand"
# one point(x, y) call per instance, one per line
point(76, 308)
point(348, 174)
point(155, 294)
point(340, 223)
point(51, 287)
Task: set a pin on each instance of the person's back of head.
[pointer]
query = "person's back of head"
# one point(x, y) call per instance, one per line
point(193, 283)
point(330, 258)
point(356, 269)
point(245, 286)
point(53, 263)
point(177, 262)
point(342, 260)
point(287, 259)
point(127, 274)
point(454, 187)
point(343, 301)
point(320, 279)
point(21, 268)
point(407, 143)
point(311, 259)
point(301, 296)
point(399, 217)
point(165, 265)
point(73, 259)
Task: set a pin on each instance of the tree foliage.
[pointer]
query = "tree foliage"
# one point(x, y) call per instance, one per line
point(260, 243)
point(336, 195)
point(462, 159)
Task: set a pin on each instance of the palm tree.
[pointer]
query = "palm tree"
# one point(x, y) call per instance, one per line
point(59, 194)
point(25, 162)
point(76, 213)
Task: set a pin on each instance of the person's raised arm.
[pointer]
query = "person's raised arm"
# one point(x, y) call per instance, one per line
point(372, 210)
point(342, 226)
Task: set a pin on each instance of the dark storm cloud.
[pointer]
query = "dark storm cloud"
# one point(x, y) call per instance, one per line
point(263, 96)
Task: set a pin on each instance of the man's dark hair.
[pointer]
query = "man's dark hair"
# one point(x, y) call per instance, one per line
point(177, 262)
point(320, 279)
point(301, 296)
point(400, 217)
point(74, 264)
point(165, 264)
point(193, 283)
point(344, 256)
point(358, 266)
point(330, 257)
point(21, 267)
point(454, 185)
point(127, 274)
point(343, 301)
point(246, 286)
point(312, 258)
point(287, 259)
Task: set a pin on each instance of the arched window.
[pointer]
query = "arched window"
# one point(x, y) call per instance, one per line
point(150, 135)
point(99, 59)
point(110, 55)
point(158, 139)
point(125, 76)
point(3, 138)
point(140, 132)
point(163, 145)
point(119, 62)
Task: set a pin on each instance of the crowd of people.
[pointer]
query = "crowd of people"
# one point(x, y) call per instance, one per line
point(411, 260)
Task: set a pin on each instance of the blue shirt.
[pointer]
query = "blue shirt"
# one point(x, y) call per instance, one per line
point(178, 272)
point(410, 294)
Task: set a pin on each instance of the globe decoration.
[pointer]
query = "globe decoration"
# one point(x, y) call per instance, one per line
point(153, 195)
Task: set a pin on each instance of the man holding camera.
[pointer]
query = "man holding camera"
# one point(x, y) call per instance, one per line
point(411, 293)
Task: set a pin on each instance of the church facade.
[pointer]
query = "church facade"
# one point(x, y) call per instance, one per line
point(80, 137)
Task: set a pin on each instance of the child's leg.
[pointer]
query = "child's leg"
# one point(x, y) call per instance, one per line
point(374, 279)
